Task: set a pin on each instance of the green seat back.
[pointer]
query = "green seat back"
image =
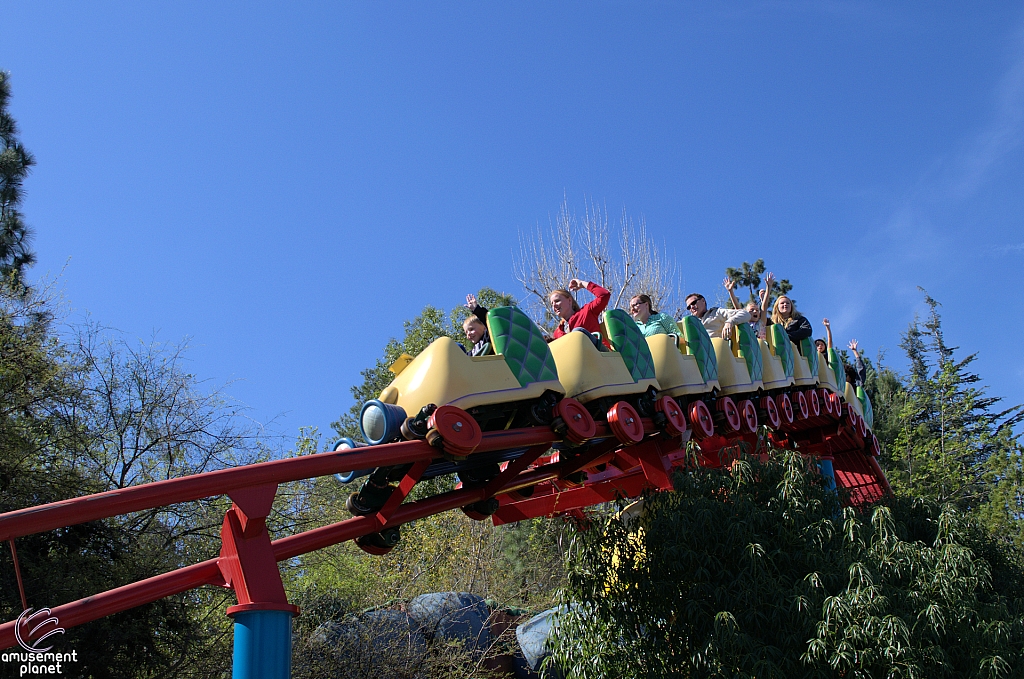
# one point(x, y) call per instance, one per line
point(698, 345)
point(515, 337)
point(783, 348)
point(836, 364)
point(865, 402)
point(808, 351)
point(750, 350)
point(627, 339)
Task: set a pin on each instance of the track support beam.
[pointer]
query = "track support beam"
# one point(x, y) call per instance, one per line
point(263, 616)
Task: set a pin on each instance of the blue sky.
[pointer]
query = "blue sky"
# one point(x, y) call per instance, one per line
point(286, 184)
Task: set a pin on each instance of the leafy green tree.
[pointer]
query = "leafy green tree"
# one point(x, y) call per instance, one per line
point(15, 162)
point(756, 572)
point(419, 332)
point(41, 461)
point(749, 276)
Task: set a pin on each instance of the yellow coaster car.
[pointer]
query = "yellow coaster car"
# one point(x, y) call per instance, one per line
point(805, 363)
point(522, 369)
point(740, 361)
point(685, 364)
point(588, 374)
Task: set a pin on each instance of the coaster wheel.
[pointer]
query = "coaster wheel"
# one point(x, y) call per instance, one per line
point(543, 410)
point(478, 511)
point(675, 420)
point(380, 543)
point(827, 404)
point(770, 410)
point(748, 417)
point(875, 448)
point(576, 421)
point(457, 433)
point(851, 419)
point(413, 429)
point(840, 405)
point(728, 415)
point(701, 421)
point(784, 406)
point(625, 423)
point(863, 427)
point(803, 406)
point(522, 493)
point(813, 403)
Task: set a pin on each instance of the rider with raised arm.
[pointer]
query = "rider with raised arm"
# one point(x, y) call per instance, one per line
point(570, 315)
point(858, 373)
point(823, 345)
point(717, 321)
point(475, 327)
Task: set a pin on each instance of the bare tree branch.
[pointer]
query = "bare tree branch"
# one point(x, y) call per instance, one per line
point(579, 248)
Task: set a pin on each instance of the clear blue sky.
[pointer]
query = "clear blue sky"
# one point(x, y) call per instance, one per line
point(286, 184)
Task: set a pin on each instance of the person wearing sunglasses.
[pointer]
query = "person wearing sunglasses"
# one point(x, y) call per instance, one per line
point(717, 321)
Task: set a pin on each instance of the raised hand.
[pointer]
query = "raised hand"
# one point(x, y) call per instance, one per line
point(470, 301)
point(576, 284)
point(769, 279)
point(853, 346)
point(729, 284)
point(825, 323)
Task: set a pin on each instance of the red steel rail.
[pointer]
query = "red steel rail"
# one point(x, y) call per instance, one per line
point(634, 459)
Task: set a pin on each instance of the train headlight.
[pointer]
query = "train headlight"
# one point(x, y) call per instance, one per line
point(381, 422)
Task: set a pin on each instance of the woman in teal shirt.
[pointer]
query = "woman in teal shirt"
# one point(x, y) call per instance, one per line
point(650, 321)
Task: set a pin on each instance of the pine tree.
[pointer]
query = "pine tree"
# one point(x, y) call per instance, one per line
point(15, 162)
point(946, 439)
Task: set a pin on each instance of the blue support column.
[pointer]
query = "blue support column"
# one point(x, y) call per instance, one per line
point(825, 465)
point(263, 644)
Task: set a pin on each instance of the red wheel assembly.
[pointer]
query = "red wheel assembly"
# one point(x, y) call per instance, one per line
point(748, 417)
point(803, 406)
point(579, 425)
point(460, 433)
point(728, 415)
point(838, 405)
point(675, 420)
point(771, 412)
point(813, 404)
point(785, 408)
point(625, 423)
point(828, 406)
point(701, 420)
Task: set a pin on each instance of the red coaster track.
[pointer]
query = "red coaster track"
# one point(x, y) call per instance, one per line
point(624, 457)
